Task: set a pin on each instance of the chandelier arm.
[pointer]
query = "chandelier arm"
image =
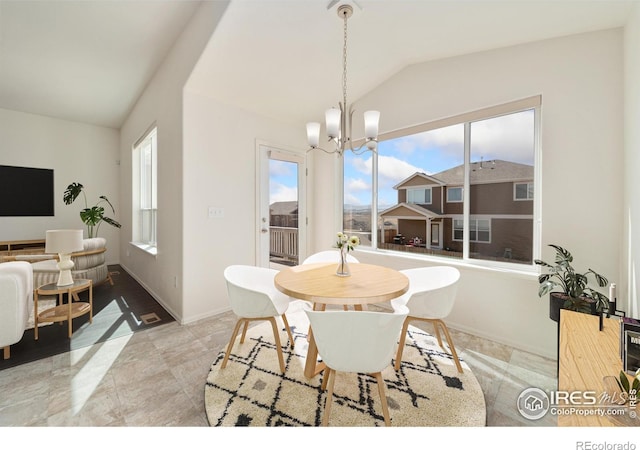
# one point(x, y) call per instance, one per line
point(329, 152)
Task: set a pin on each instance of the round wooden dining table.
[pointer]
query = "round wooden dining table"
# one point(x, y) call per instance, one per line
point(319, 284)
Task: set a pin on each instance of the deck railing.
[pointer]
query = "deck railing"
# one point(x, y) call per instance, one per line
point(283, 244)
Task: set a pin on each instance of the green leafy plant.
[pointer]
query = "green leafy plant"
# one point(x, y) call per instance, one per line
point(631, 389)
point(562, 278)
point(92, 216)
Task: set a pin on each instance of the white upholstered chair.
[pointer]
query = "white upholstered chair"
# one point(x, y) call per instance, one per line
point(357, 342)
point(253, 296)
point(329, 256)
point(431, 296)
point(16, 297)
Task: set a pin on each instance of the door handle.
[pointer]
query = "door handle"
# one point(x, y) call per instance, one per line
point(264, 230)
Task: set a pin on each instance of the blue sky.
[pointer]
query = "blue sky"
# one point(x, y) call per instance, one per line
point(508, 137)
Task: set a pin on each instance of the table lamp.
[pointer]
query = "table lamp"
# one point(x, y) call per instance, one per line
point(64, 242)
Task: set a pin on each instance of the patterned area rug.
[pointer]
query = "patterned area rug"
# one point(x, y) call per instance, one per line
point(251, 390)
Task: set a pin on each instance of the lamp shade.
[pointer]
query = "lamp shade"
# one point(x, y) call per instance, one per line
point(63, 241)
point(313, 134)
point(332, 117)
point(371, 119)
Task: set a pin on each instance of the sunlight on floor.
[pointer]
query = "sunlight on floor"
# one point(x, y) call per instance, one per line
point(96, 361)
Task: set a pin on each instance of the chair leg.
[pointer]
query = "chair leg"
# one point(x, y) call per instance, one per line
point(383, 399)
point(276, 335)
point(286, 326)
point(233, 339)
point(450, 342)
point(325, 379)
point(403, 336)
point(6, 352)
point(327, 404)
point(244, 331)
point(320, 307)
point(437, 332)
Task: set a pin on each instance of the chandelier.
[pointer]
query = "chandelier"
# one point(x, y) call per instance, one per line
point(339, 120)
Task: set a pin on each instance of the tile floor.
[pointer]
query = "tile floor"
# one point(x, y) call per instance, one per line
point(156, 377)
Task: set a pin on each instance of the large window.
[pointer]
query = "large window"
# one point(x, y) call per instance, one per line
point(453, 188)
point(145, 178)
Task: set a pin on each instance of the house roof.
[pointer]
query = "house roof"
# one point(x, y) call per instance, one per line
point(283, 208)
point(408, 210)
point(411, 180)
point(492, 171)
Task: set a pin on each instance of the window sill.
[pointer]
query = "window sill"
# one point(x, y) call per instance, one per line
point(525, 272)
point(150, 249)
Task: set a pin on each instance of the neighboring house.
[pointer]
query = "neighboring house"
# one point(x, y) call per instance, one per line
point(283, 214)
point(430, 208)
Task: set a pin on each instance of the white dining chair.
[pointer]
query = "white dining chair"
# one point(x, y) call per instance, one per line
point(430, 298)
point(356, 342)
point(329, 256)
point(253, 296)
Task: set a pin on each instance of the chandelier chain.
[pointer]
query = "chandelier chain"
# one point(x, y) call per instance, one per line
point(344, 64)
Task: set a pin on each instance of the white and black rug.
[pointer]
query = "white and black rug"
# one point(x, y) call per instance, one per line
point(251, 390)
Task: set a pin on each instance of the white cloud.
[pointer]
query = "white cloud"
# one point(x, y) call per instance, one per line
point(507, 137)
point(350, 199)
point(447, 140)
point(280, 168)
point(281, 193)
point(391, 170)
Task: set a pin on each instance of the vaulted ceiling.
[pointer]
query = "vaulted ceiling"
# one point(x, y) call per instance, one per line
point(89, 60)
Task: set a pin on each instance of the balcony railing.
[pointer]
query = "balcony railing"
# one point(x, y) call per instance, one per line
point(283, 245)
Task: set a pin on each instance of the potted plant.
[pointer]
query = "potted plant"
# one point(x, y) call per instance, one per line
point(568, 288)
point(93, 216)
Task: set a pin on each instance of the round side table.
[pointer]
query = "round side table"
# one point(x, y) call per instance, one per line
point(62, 311)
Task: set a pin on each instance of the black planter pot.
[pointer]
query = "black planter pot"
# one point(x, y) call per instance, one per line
point(556, 303)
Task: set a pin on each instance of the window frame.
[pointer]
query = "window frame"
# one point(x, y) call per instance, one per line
point(473, 228)
point(533, 103)
point(145, 191)
point(530, 192)
point(423, 189)
point(450, 188)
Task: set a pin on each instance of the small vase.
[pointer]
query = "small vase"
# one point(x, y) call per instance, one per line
point(343, 266)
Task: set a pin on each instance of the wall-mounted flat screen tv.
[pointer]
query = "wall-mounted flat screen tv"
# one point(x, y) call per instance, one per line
point(26, 191)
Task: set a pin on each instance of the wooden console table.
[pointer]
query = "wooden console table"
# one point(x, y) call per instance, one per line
point(586, 356)
point(23, 247)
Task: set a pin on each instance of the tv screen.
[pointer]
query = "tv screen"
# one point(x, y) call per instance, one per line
point(26, 191)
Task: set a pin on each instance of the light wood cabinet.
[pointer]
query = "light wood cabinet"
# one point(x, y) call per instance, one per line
point(25, 247)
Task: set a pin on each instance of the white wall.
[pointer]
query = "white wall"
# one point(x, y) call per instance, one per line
point(220, 171)
point(162, 104)
point(76, 152)
point(630, 273)
point(580, 80)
